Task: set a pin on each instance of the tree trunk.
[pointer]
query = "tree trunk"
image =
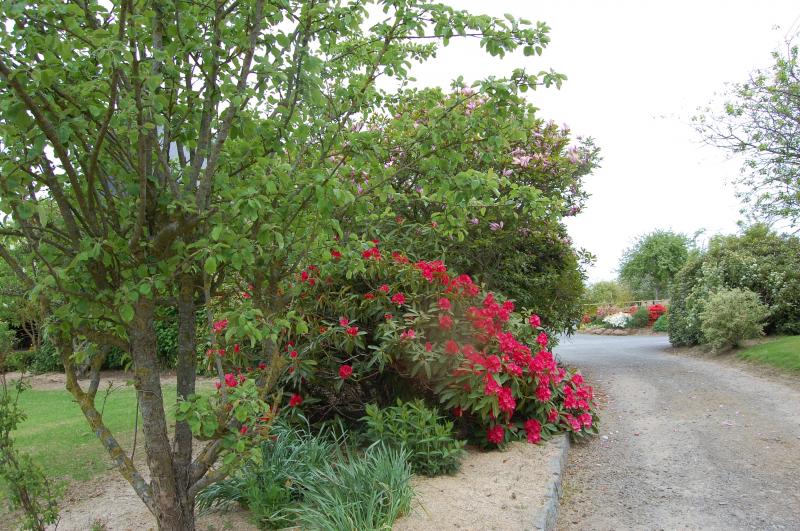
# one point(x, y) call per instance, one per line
point(173, 512)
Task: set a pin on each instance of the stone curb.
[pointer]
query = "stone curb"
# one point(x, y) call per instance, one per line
point(545, 519)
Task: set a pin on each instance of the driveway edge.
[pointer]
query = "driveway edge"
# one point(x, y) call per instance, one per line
point(545, 519)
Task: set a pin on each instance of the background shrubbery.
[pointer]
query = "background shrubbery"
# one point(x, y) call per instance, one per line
point(730, 316)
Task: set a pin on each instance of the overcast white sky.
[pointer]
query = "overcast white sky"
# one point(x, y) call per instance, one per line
point(637, 70)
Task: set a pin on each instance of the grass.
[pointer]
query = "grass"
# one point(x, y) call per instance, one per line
point(782, 352)
point(57, 436)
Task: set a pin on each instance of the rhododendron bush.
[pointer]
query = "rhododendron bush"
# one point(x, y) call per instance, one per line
point(382, 325)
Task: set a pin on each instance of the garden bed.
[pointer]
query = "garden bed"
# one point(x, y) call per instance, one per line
point(514, 489)
point(621, 332)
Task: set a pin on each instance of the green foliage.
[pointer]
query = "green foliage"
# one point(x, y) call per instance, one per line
point(781, 352)
point(650, 265)
point(730, 316)
point(25, 482)
point(758, 260)
point(639, 319)
point(358, 492)
point(759, 122)
point(607, 292)
point(428, 438)
point(661, 324)
point(269, 485)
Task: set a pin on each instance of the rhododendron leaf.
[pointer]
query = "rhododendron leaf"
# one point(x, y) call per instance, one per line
point(210, 265)
point(126, 312)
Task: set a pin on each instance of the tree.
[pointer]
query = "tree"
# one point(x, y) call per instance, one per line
point(761, 120)
point(650, 265)
point(196, 154)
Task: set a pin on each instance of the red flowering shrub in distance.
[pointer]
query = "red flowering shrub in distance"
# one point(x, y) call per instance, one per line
point(427, 332)
point(655, 311)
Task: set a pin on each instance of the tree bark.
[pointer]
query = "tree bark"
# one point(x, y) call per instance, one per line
point(170, 508)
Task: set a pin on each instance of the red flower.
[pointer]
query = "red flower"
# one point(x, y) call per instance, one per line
point(577, 379)
point(293, 354)
point(304, 276)
point(372, 252)
point(296, 400)
point(533, 429)
point(262, 365)
point(428, 346)
point(542, 339)
point(369, 296)
point(505, 399)
point(236, 348)
point(458, 411)
point(387, 316)
point(311, 282)
point(345, 371)
point(445, 322)
point(535, 321)
point(230, 380)
point(353, 331)
point(398, 298)
point(344, 321)
point(552, 415)
point(543, 393)
point(384, 288)
point(246, 295)
point(217, 384)
point(451, 347)
point(444, 304)
point(495, 435)
point(243, 429)
point(408, 335)
point(219, 326)
point(335, 254)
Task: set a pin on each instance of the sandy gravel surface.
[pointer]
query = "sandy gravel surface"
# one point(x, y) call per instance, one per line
point(686, 443)
point(500, 491)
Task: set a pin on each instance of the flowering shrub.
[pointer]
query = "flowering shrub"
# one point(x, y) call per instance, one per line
point(427, 333)
point(654, 312)
point(639, 319)
point(618, 320)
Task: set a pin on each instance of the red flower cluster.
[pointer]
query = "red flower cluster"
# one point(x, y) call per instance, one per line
point(654, 312)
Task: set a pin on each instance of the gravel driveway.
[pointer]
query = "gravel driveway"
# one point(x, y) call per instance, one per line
point(685, 443)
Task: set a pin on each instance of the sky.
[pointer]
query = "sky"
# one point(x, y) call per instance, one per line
point(637, 72)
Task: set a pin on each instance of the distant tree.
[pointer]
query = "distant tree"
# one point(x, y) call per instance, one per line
point(650, 265)
point(761, 120)
point(607, 292)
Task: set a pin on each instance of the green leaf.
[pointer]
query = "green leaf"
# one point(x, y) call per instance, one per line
point(127, 313)
point(211, 265)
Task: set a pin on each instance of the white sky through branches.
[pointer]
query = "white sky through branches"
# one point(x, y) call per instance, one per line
point(637, 71)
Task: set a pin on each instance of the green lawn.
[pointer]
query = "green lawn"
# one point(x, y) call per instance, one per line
point(782, 352)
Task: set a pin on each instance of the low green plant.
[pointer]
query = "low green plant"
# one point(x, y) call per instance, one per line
point(661, 324)
point(269, 484)
point(730, 316)
point(428, 437)
point(368, 491)
point(24, 481)
point(639, 319)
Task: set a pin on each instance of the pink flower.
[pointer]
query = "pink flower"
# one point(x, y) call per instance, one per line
point(344, 321)
point(552, 415)
point(495, 435)
point(369, 296)
point(384, 288)
point(534, 320)
point(353, 331)
point(533, 429)
point(293, 354)
point(543, 393)
point(217, 384)
point(335, 254)
point(219, 326)
point(387, 316)
point(304, 276)
point(428, 346)
point(345, 371)
point(408, 335)
point(398, 299)
point(296, 400)
point(243, 429)
point(445, 322)
point(505, 399)
point(542, 339)
point(451, 347)
point(230, 380)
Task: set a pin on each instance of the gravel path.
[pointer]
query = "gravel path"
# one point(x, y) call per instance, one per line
point(685, 443)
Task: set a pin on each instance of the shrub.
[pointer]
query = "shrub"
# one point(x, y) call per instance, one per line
point(661, 324)
point(731, 316)
point(688, 294)
point(639, 319)
point(428, 438)
point(654, 312)
point(359, 492)
point(385, 328)
point(618, 320)
point(269, 486)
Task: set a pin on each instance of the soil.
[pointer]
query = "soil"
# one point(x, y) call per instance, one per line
point(686, 442)
point(492, 491)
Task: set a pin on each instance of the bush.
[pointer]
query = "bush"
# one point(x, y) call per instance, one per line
point(639, 319)
point(688, 294)
point(428, 438)
point(269, 486)
point(731, 316)
point(360, 492)
point(654, 312)
point(618, 320)
point(661, 324)
point(382, 328)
